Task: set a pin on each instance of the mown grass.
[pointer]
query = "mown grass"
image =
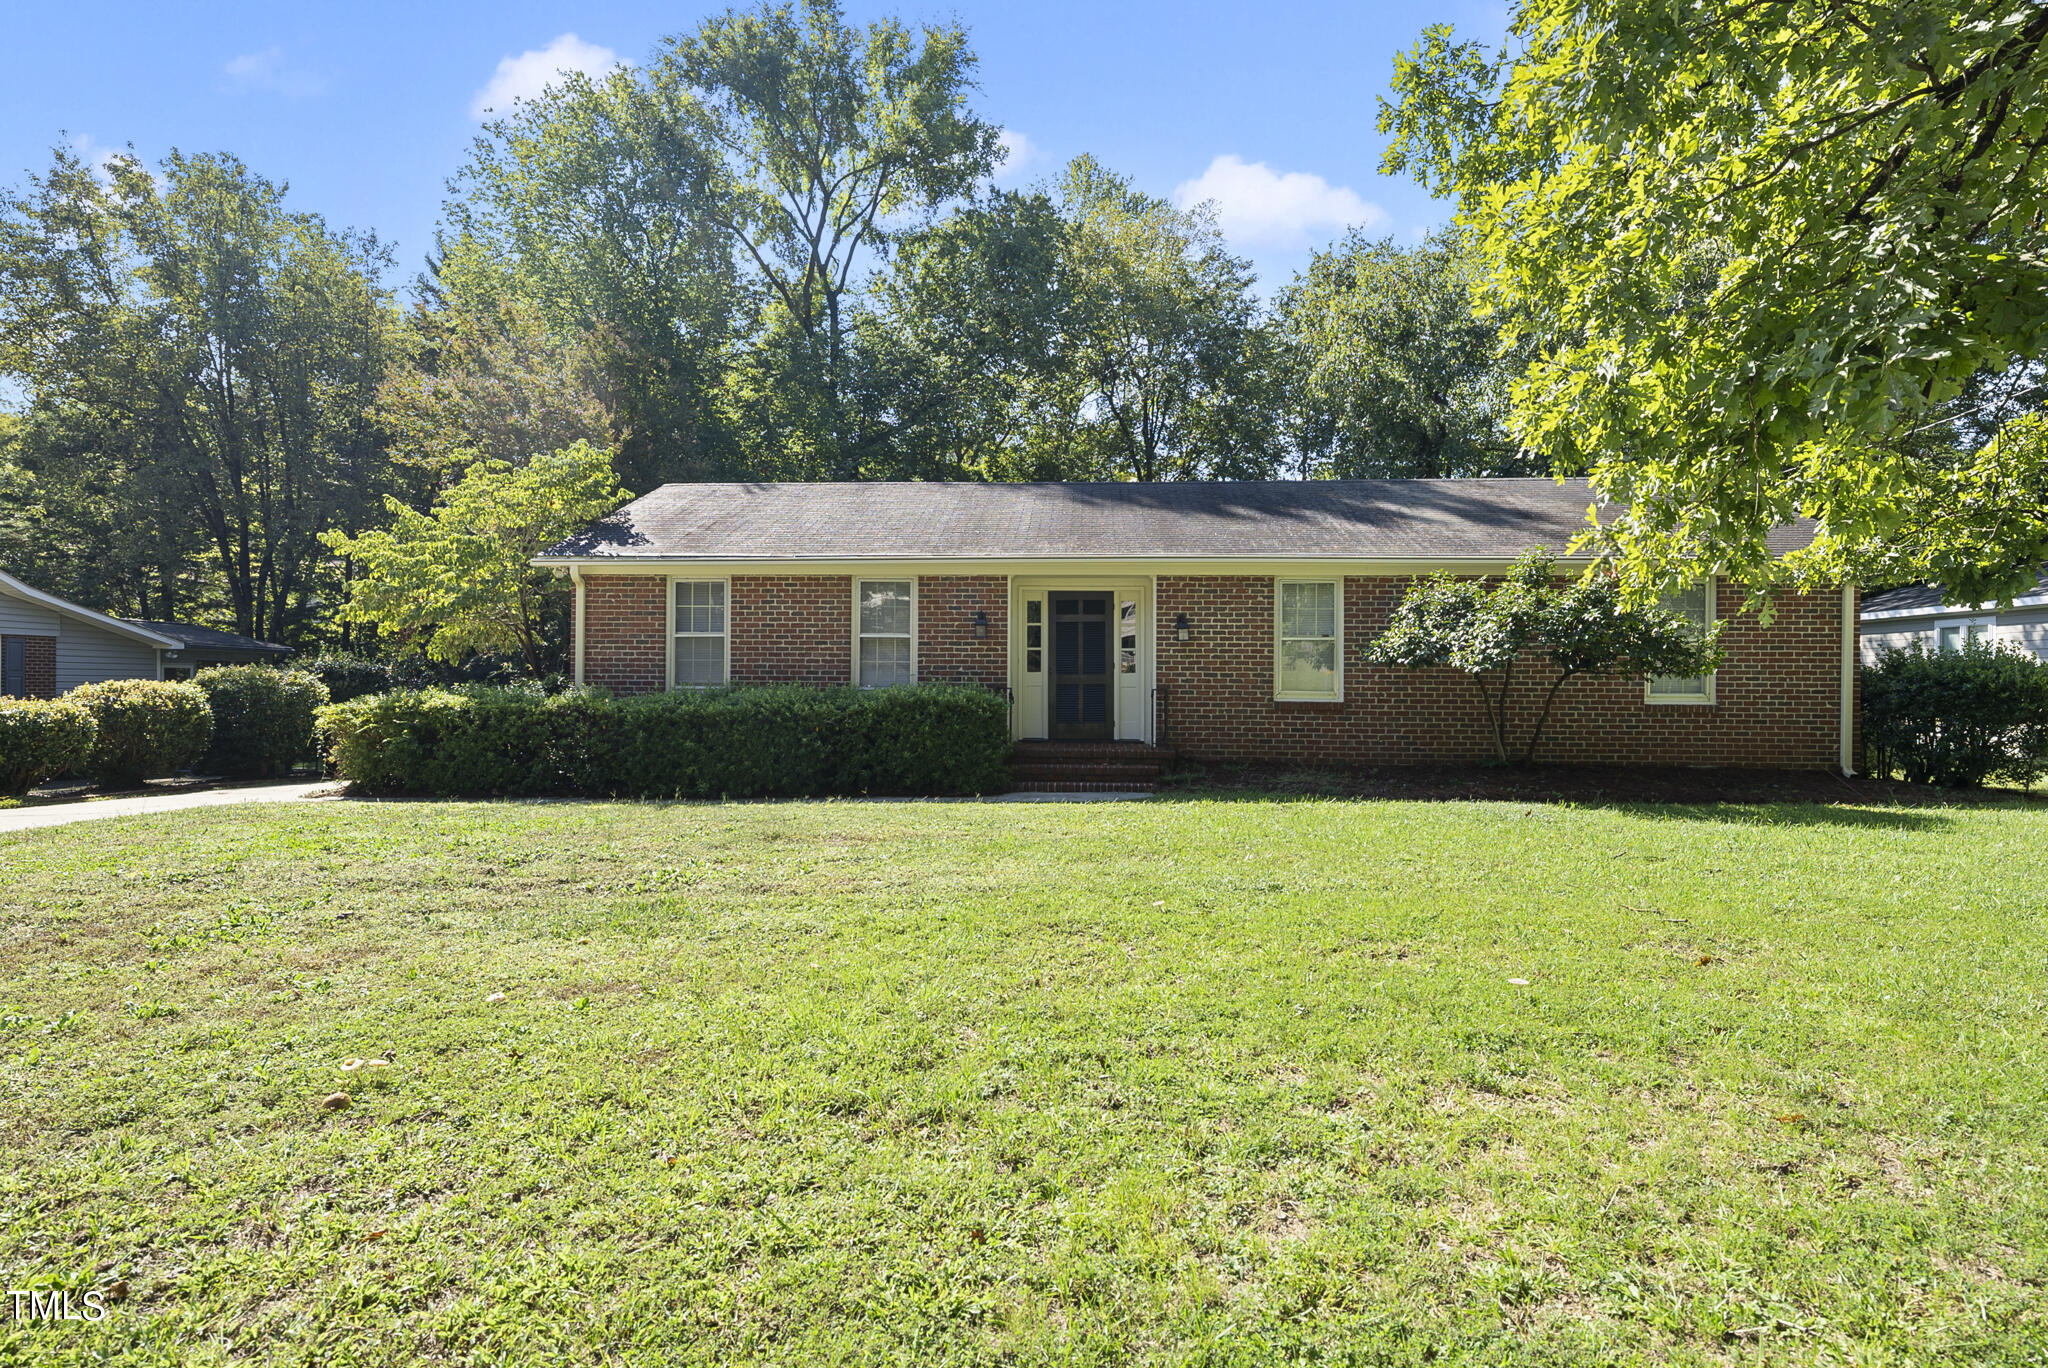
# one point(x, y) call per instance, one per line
point(1210, 1082)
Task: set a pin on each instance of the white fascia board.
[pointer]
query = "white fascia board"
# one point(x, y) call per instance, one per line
point(80, 613)
point(1942, 610)
point(1036, 565)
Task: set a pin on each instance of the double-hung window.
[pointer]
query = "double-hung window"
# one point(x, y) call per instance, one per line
point(700, 633)
point(884, 621)
point(1695, 603)
point(1308, 656)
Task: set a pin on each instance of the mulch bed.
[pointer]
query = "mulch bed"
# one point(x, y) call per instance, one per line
point(1577, 784)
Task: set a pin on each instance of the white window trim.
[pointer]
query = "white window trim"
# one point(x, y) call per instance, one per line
point(1336, 695)
point(1709, 698)
point(726, 676)
point(1981, 624)
point(913, 581)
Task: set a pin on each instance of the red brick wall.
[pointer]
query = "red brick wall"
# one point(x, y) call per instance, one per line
point(792, 629)
point(1776, 696)
point(39, 662)
point(625, 632)
point(946, 645)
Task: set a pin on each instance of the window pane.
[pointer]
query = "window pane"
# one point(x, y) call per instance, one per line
point(1034, 611)
point(700, 660)
point(1308, 666)
point(1689, 602)
point(1673, 686)
point(885, 606)
point(1308, 610)
point(700, 606)
point(884, 661)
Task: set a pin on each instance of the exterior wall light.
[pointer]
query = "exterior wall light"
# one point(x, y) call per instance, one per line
point(1180, 627)
point(980, 624)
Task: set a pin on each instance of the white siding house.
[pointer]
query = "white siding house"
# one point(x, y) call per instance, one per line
point(1918, 615)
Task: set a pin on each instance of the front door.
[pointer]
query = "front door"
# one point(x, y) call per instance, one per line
point(1080, 667)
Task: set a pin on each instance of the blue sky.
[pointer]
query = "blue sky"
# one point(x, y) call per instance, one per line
point(366, 109)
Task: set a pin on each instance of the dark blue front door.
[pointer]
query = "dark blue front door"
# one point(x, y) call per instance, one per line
point(14, 666)
point(1080, 668)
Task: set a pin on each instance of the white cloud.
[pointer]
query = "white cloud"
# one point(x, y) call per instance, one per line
point(268, 70)
point(528, 75)
point(1018, 153)
point(1257, 206)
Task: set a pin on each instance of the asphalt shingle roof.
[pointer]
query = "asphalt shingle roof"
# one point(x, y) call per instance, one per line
point(208, 638)
point(1338, 519)
point(1926, 598)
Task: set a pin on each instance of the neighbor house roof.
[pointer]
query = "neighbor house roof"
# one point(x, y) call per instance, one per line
point(190, 637)
point(1409, 520)
point(1928, 600)
point(144, 633)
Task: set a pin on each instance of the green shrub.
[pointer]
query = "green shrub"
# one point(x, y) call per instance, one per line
point(347, 676)
point(776, 741)
point(263, 719)
point(145, 727)
point(41, 738)
point(1957, 717)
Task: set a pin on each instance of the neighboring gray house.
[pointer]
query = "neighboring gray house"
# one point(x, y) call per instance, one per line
point(1918, 615)
point(50, 645)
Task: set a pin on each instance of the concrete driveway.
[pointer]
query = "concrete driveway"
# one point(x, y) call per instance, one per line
point(61, 814)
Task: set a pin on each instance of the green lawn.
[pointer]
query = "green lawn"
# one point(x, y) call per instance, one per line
point(1205, 1082)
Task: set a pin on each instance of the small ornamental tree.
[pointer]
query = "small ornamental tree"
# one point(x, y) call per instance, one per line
point(458, 579)
point(1487, 629)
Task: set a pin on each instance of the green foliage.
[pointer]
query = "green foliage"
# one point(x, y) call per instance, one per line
point(41, 738)
point(1395, 372)
point(263, 719)
point(143, 728)
point(348, 676)
point(1583, 626)
point(198, 362)
point(458, 579)
point(1957, 717)
point(741, 742)
point(1776, 240)
point(1167, 376)
point(724, 193)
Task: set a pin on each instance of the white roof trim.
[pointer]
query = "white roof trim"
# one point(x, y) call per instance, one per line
point(1945, 609)
point(10, 584)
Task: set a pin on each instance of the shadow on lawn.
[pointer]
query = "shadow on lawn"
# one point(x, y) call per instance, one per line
point(1743, 797)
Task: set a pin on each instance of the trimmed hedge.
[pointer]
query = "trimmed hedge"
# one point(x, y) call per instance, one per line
point(1957, 717)
point(753, 742)
point(263, 719)
point(41, 738)
point(145, 727)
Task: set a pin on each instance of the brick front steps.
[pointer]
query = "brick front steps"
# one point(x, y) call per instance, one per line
point(1086, 766)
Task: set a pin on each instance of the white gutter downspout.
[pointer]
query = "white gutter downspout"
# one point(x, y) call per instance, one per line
point(576, 576)
point(1848, 717)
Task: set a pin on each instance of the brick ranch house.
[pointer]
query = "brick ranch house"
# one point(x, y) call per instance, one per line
point(1224, 620)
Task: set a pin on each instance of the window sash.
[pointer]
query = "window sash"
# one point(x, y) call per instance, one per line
point(1696, 603)
point(698, 622)
point(884, 622)
point(1308, 633)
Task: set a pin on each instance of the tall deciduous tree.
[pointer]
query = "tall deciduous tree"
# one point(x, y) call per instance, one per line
point(1394, 372)
point(709, 215)
point(457, 579)
point(1168, 365)
point(1869, 179)
point(199, 362)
